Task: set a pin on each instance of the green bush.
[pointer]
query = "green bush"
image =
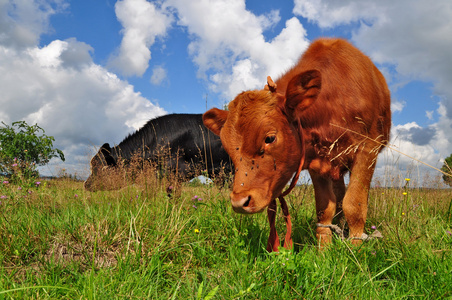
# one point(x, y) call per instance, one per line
point(23, 148)
point(447, 168)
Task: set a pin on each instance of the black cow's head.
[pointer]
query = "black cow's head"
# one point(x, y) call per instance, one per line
point(100, 163)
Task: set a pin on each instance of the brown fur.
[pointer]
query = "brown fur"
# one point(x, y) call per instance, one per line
point(343, 104)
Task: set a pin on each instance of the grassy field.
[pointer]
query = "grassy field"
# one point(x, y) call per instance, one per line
point(58, 241)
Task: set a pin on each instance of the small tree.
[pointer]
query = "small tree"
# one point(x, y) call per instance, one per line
point(24, 147)
point(447, 168)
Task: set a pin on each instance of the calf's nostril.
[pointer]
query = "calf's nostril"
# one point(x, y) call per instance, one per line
point(247, 202)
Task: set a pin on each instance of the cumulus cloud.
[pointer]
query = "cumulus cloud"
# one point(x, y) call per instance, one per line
point(397, 105)
point(416, 144)
point(142, 23)
point(59, 87)
point(328, 14)
point(270, 19)
point(227, 44)
point(419, 136)
point(229, 48)
point(23, 22)
point(159, 75)
point(76, 54)
point(81, 107)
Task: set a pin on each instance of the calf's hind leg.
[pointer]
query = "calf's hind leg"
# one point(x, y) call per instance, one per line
point(339, 192)
point(325, 202)
point(355, 200)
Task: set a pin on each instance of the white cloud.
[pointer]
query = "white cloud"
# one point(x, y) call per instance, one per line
point(80, 107)
point(412, 132)
point(229, 48)
point(331, 13)
point(76, 54)
point(411, 154)
point(227, 42)
point(415, 143)
point(443, 139)
point(159, 75)
point(59, 87)
point(270, 19)
point(143, 22)
point(396, 105)
point(22, 22)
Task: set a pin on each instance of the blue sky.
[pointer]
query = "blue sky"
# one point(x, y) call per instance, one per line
point(91, 72)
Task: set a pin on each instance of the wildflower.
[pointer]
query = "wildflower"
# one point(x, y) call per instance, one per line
point(407, 179)
point(196, 230)
point(14, 165)
point(373, 227)
point(405, 193)
point(19, 188)
point(195, 197)
point(76, 196)
point(3, 197)
point(38, 183)
point(5, 182)
point(194, 206)
point(169, 191)
point(199, 199)
point(448, 232)
point(403, 214)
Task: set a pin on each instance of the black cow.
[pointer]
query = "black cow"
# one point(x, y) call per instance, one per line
point(189, 146)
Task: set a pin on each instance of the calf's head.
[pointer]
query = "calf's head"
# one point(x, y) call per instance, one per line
point(258, 131)
point(98, 164)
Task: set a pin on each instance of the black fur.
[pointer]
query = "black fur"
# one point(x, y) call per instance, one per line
point(189, 142)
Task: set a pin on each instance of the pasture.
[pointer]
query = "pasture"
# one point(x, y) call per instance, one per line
point(58, 241)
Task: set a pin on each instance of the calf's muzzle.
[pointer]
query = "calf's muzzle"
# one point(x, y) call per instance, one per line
point(242, 203)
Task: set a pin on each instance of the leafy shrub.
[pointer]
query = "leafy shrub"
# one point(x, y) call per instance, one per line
point(447, 168)
point(23, 148)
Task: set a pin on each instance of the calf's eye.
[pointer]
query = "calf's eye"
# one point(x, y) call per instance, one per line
point(270, 139)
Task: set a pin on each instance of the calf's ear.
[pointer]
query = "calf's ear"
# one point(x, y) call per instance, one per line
point(302, 91)
point(214, 119)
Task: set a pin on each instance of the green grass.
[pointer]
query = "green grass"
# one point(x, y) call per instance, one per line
point(61, 242)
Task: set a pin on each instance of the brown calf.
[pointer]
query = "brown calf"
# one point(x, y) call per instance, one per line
point(330, 113)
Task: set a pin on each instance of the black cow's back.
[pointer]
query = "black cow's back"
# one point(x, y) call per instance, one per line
point(184, 136)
